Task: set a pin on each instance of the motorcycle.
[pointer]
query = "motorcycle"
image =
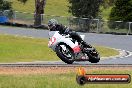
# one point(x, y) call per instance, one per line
point(69, 50)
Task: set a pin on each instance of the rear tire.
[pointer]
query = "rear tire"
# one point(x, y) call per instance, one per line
point(93, 54)
point(62, 56)
point(94, 57)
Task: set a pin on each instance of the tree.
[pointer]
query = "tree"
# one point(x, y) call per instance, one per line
point(39, 9)
point(5, 5)
point(84, 8)
point(108, 3)
point(122, 11)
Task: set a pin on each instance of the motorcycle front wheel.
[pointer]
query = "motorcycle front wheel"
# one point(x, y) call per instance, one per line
point(65, 53)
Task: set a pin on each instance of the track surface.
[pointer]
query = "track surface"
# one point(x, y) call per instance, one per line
point(123, 42)
point(64, 65)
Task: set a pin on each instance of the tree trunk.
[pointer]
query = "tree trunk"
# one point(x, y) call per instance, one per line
point(37, 21)
point(39, 9)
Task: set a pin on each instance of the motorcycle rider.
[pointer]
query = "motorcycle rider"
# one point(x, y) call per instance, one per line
point(54, 26)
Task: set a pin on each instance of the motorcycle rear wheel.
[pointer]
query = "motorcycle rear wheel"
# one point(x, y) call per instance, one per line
point(93, 54)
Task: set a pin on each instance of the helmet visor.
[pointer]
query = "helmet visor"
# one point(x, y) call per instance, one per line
point(50, 27)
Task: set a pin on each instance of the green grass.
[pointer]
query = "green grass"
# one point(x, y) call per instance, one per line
point(14, 49)
point(53, 7)
point(105, 28)
point(106, 52)
point(17, 49)
point(120, 30)
point(67, 80)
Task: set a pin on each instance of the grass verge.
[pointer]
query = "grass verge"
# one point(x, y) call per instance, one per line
point(53, 7)
point(65, 80)
point(21, 49)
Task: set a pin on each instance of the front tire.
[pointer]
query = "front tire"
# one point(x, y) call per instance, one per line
point(67, 55)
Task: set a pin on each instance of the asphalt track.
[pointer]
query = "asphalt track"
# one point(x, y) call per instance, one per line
point(122, 42)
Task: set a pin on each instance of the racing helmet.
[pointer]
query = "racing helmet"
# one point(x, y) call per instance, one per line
point(52, 22)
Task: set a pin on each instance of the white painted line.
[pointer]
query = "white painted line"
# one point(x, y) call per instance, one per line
point(122, 54)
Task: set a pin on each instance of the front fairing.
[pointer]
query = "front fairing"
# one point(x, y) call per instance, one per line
point(54, 37)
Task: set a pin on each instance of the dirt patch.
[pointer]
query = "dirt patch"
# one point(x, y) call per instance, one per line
point(53, 70)
point(34, 70)
point(21, 21)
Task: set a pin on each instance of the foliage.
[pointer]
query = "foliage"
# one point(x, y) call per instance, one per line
point(5, 5)
point(108, 3)
point(121, 11)
point(84, 8)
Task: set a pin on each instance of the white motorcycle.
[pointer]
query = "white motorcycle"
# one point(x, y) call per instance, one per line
point(69, 50)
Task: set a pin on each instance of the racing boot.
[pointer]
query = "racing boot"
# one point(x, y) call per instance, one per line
point(86, 47)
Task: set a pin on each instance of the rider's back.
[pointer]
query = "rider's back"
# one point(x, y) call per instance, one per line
point(59, 28)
